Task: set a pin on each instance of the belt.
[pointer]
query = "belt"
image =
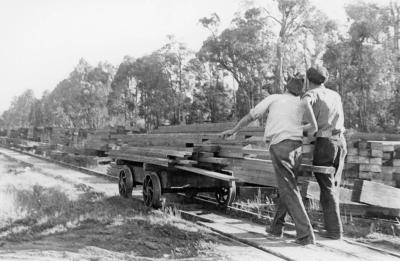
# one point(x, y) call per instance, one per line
point(329, 133)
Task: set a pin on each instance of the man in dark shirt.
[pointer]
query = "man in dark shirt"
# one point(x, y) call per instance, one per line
point(330, 146)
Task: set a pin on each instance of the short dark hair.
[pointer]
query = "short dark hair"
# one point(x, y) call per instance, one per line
point(295, 84)
point(317, 74)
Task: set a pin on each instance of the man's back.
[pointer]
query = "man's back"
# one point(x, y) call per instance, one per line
point(328, 110)
point(285, 114)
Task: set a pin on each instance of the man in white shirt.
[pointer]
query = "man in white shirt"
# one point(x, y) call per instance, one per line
point(284, 130)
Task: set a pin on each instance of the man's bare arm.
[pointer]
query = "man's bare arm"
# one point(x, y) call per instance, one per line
point(241, 124)
point(312, 125)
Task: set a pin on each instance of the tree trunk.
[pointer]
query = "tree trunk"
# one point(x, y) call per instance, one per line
point(279, 68)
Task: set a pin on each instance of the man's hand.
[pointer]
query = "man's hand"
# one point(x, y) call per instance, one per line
point(227, 134)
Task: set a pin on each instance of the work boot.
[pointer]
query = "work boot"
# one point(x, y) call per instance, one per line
point(276, 232)
point(308, 240)
point(336, 236)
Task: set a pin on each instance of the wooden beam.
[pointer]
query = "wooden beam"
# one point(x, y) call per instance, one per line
point(376, 194)
point(207, 173)
point(157, 151)
point(215, 160)
point(143, 159)
point(318, 169)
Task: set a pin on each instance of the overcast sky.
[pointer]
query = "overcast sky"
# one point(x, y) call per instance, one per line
point(42, 40)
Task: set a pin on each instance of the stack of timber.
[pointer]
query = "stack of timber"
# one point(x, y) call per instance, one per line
point(245, 156)
point(161, 156)
point(59, 135)
point(101, 139)
point(371, 160)
point(98, 140)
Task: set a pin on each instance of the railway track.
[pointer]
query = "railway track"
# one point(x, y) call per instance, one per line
point(205, 212)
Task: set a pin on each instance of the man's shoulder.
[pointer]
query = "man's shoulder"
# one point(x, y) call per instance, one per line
point(271, 97)
point(333, 93)
point(322, 91)
point(310, 93)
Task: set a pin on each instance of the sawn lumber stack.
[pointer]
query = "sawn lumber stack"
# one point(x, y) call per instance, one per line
point(371, 157)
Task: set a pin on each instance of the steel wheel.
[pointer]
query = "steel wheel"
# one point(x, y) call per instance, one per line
point(226, 195)
point(152, 191)
point(125, 183)
point(191, 193)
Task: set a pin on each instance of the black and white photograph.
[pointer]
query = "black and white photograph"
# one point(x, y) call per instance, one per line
point(208, 130)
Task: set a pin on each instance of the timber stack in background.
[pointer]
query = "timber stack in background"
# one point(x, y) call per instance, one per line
point(370, 181)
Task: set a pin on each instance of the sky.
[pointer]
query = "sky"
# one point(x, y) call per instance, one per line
point(41, 41)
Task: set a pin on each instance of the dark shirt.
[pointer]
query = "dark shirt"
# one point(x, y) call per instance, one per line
point(328, 110)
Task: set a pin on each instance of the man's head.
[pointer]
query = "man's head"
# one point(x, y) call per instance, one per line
point(317, 74)
point(295, 84)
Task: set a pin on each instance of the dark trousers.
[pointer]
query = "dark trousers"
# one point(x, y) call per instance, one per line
point(330, 152)
point(286, 159)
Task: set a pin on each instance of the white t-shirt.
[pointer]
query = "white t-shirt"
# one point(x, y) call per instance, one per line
point(285, 114)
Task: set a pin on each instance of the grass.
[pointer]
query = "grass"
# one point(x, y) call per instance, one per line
point(113, 223)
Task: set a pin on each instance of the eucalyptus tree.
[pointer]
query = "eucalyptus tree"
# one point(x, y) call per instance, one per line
point(124, 96)
point(175, 56)
point(245, 51)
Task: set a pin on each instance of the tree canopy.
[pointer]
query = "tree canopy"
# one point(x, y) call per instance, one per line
point(234, 69)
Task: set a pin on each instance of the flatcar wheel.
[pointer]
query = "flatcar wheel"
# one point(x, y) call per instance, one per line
point(226, 195)
point(125, 183)
point(152, 191)
point(191, 193)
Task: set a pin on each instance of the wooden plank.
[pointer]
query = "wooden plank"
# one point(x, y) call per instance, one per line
point(396, 162)
point(229, 154)
point(138, 158)
point(158, 151)
point(318, 169)
point(370, 167)
point(205, 154)
point(375, 161)
point(257, 150)
point(365, 175)
point(375, 145)
point(267, 164)
point(311, 190)
point(353, 159)
point(376, 153)
point(256, 177)
point(388, 147)
point(372, 136)
point(207, 147)
point(352, 151)
point(387, 170)
point(215, 160)
point(363, 160)
point(376, 194)
point(185, 162)
point(207, 173)
point(387, 155)
point(202, 127)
